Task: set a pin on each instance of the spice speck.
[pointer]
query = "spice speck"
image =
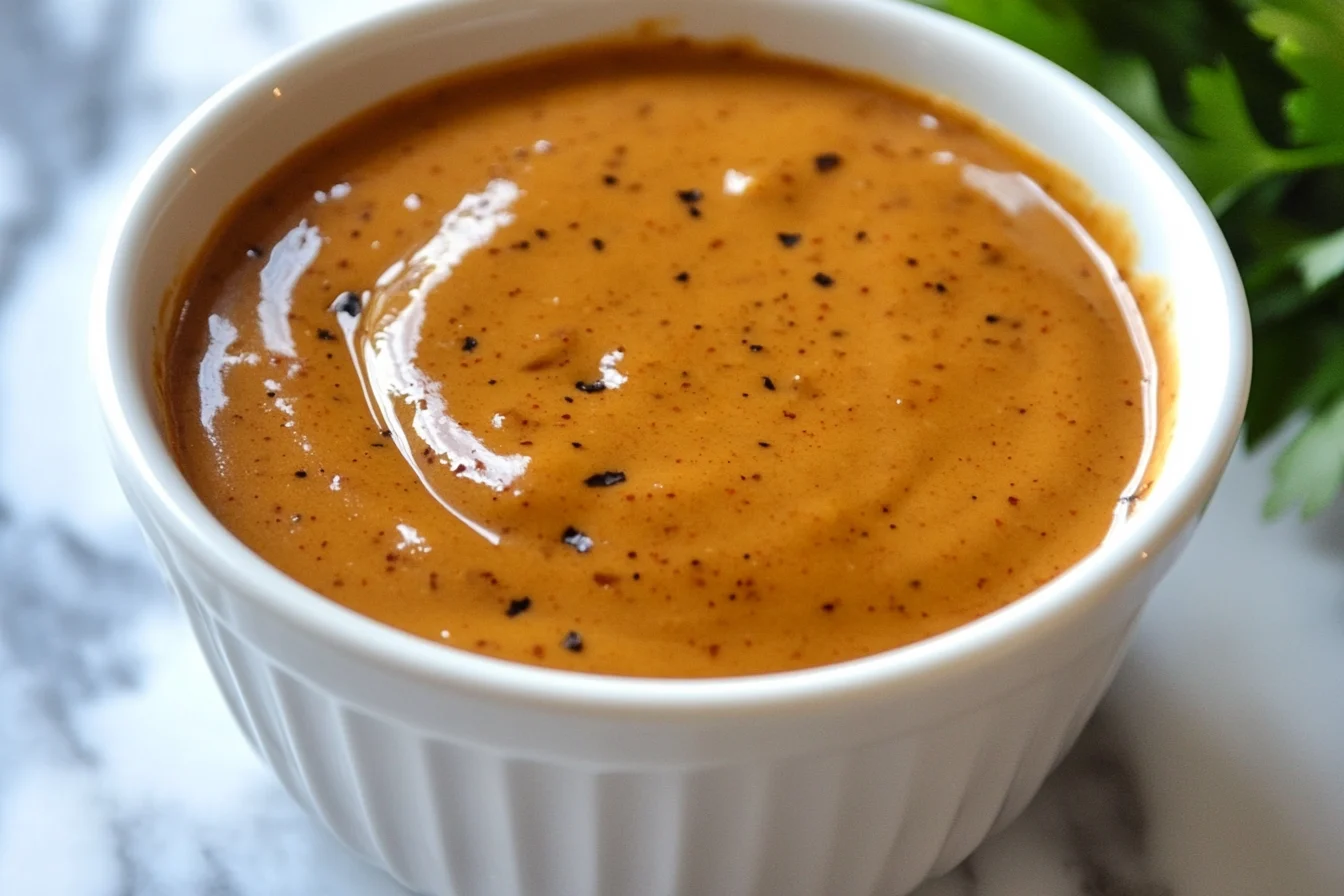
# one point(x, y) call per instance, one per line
point(577, 540)
point(348, 303)
point(604, 479)
point(827, 161)
point(789, 240)
point(518, 606)
point(573, 642)
point(469, 344)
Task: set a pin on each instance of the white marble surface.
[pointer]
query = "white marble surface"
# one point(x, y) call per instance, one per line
point(1215, 767)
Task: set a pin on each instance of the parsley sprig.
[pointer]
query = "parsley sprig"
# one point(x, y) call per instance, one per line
point(1248, 97)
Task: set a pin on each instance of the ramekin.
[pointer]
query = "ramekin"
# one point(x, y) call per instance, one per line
point(469, 776)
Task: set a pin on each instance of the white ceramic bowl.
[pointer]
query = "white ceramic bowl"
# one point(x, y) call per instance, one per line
point(466, 775)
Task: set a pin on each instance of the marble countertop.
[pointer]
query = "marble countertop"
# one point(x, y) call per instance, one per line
point(1215, 766)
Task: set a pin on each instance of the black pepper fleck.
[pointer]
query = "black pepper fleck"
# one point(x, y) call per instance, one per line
point(610, 180)
point(604, 479)
point(690, 196)
point(823, 279)
point(573, 642)
point(827, 161)
point(940, 287)
point(301, 474)
point(595, 386)
point(764, 444)
point(598, 244)
point(577, 444)
point(518, 606)
point(469, 344)
point(756, 348)
point(768, 383)
point(577, 540)
point(542, 233)
point(992, 318)
point(695, 211)
point(790, 239)
point(861, 235)
point(683, 277)
point(348, 303)
point(325, 335)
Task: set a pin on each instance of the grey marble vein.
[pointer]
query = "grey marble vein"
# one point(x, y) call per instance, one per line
point(65, 605)
point(58, 107)
point(1105, 818)
point(268, 17)
point(1092, 813)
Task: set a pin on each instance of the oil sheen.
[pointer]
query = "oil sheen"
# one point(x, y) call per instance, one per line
point(664, 359)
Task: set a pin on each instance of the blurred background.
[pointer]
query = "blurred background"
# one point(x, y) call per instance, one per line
point(1213, 767)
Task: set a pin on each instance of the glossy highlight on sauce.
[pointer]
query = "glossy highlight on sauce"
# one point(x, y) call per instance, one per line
point(665, 359)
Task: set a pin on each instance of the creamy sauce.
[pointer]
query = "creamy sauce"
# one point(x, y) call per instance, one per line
point(665, 360)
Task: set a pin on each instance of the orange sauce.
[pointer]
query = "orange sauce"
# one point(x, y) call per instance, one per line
point(664, 359)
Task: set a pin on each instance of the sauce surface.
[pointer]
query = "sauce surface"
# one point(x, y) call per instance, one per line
point(664, 360)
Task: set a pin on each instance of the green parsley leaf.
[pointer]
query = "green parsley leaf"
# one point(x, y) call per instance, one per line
point(1308, 38)
point(1233, 155)
point(1226, 155)
point(1282, 370)
point(1130, 82)
point(1325, 386)
point(1311, 470)
point(1280, 284)
point(1055, 31)
point(1320, 261)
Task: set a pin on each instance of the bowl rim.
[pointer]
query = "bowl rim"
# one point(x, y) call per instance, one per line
point(134, 437)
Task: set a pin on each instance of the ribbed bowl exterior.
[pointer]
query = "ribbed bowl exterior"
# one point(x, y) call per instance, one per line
point(450, 812)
